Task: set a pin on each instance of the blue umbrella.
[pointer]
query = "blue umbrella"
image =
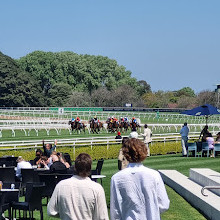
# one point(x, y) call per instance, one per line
point(203, 110)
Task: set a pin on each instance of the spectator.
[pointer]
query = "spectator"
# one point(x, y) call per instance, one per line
point(43, 162)
point(79, 197)
point(184, 134)
point(64, 161)
point(204, 133)
point(137, 192)
point(118, 135)
point(38, 154)
point(122, 162)
point(21, 164)
point(57, 166)
point(147, 138)
point(211, 142)
point(218, 138)
point(48, 148)
point(133, 134)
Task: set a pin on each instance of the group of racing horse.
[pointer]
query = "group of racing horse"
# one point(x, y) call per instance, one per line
point(96, 126)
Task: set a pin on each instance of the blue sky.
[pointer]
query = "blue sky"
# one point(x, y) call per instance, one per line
point(169, 43)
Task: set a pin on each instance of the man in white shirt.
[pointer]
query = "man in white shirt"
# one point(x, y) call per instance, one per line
point(21, 163)
point(137, 192)
point(184, 134)
point(147, 138)
point(79, 197)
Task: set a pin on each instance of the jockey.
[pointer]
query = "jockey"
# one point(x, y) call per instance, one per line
point(73, 119)
point(116, 120)
point(108, 120)
point(125, 119)
point(96, 120)
point(78, 120)
point(134, 120)
point(122, 119)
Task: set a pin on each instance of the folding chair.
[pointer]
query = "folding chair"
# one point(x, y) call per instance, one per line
point(192, 147)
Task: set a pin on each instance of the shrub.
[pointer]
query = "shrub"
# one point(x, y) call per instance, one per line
point(99, 151)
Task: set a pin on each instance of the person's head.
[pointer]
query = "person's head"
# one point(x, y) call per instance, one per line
point(206, 127)
point(67, 158)
point(54, 157)
point(145, 126)
point(133, 134)
point(44, 159)
point(218, 134)
point(83, 165)
point(39, 153)
point(48, 146)
point(119, 133)
point(134, 150)
point(20, 158)
point(185, 124)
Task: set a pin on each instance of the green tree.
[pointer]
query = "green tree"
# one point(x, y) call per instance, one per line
point(17, 88)
point(186, 91)
point(59, 94)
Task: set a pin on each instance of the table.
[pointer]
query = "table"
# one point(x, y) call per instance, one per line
point(9, 190)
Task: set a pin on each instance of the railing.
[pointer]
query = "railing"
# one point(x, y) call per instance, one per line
point(208, 187)
point(86, 115)
point(30, 144)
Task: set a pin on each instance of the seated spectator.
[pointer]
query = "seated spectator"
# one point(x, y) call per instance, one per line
point(204, 133)
point(43, 162)
point(38, 154)
point(64, 161)
point(218, 138)
point(57, 166)
point(48, 148)
point(21, 163)
point(210, 141)
point(79, 197)
point(137, 192)
point(118, 135)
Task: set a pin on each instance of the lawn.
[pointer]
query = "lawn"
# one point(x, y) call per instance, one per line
point(179, 208)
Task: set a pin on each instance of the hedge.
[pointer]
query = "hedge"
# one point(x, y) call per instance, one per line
point(99, 151)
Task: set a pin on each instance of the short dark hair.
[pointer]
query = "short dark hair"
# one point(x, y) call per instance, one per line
point(39, 151)
point(185, 124)
point(83, 165)
point(134, 150)
point(145, 126)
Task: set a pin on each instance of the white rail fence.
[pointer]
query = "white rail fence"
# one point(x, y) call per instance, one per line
point(103, 115)
point(77, 142)
point(58, 125)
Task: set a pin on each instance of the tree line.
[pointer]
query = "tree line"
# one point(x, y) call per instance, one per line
point(69, 79)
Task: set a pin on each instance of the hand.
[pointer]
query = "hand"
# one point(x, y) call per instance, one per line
point(55, 141)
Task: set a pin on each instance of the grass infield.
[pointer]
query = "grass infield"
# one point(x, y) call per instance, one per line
point(179, 208)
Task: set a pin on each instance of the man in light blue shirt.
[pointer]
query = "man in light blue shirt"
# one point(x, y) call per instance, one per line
point(184, 134)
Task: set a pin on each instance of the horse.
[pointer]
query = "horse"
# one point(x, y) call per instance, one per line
point(113, 126)
point(95, 126)
point(134, 126)
point(75, 125)
point(124, 126)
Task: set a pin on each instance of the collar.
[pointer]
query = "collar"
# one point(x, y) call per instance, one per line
point(135, 165)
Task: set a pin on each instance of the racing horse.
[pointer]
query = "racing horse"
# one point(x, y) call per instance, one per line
point(124, 126)
point(134, 126)
point(94, 126)
point(76, 126)
point(112, 126)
